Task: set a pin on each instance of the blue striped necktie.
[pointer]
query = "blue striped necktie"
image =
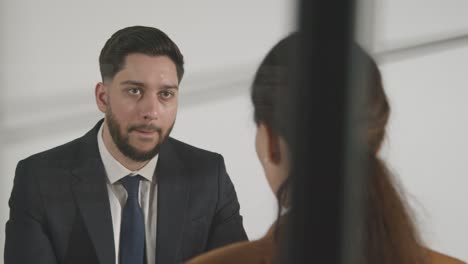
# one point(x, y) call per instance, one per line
point(132, 227)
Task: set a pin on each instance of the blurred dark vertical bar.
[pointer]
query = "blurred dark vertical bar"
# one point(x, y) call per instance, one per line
point(320, 128)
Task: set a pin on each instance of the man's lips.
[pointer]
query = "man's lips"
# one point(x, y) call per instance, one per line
point(151, 129)
point(146, 132)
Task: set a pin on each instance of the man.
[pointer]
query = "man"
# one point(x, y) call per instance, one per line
point(125, 192)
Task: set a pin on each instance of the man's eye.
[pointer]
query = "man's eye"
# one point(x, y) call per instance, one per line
point(134, 91)
point(166, 94)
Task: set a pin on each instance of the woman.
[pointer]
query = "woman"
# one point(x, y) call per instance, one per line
point(389, 236)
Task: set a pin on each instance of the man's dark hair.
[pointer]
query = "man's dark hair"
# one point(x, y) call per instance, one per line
point(137, 39)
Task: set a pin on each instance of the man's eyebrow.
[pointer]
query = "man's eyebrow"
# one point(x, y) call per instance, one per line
point(136, 83)
point(170, 86)
point(141, 84)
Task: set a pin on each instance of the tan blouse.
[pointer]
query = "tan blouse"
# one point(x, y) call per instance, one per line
point(262, 252)
point(258, 251)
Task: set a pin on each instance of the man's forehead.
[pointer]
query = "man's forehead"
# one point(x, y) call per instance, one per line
point(140, 58)
point(158, 66)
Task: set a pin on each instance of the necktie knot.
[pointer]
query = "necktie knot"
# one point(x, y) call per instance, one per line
point(131, 184)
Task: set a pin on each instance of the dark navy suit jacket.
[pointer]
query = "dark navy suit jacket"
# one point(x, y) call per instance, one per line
point(60, 211)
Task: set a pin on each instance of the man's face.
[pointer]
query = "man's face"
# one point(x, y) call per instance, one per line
point(141, 105)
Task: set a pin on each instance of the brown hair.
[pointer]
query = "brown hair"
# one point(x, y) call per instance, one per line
point(389, 232)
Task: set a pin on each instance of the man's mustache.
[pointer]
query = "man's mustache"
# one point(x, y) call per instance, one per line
point(149, 128)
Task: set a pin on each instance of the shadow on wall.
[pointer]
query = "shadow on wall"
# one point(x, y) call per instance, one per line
point(59, 114)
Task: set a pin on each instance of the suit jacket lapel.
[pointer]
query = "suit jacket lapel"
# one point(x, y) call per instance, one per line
point(92, 198)
point(173, 195)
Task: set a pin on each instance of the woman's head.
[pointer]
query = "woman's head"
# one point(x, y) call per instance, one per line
point(389, 232)
point(269, 91)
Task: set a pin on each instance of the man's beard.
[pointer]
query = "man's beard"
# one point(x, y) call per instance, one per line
point(122, 141)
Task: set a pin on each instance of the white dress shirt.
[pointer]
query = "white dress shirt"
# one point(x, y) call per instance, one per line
point(118, 196)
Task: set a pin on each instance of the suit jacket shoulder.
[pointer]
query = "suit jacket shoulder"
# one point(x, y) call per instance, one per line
point(191, 154)
point(66, 155)
point(44, 213)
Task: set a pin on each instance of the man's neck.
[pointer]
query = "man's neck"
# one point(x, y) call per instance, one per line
point(115, 152)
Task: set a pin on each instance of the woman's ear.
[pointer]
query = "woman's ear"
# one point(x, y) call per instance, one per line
point(267, 145)
point(100, 93)
point(274, 150)
point(273, 154)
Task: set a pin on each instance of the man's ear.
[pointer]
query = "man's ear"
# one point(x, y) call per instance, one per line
point(101, 96)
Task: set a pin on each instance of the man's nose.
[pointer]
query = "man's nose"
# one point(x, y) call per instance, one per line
point(150, 106)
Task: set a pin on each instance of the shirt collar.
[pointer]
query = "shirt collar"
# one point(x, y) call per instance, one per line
point(115, 170)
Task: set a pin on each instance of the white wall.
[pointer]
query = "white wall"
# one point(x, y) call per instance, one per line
point(427, 145)
point(428, 89)
point(49, 53)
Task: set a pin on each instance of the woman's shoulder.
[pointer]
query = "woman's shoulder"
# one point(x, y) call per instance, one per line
point(259, 251)
point(439, 258)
